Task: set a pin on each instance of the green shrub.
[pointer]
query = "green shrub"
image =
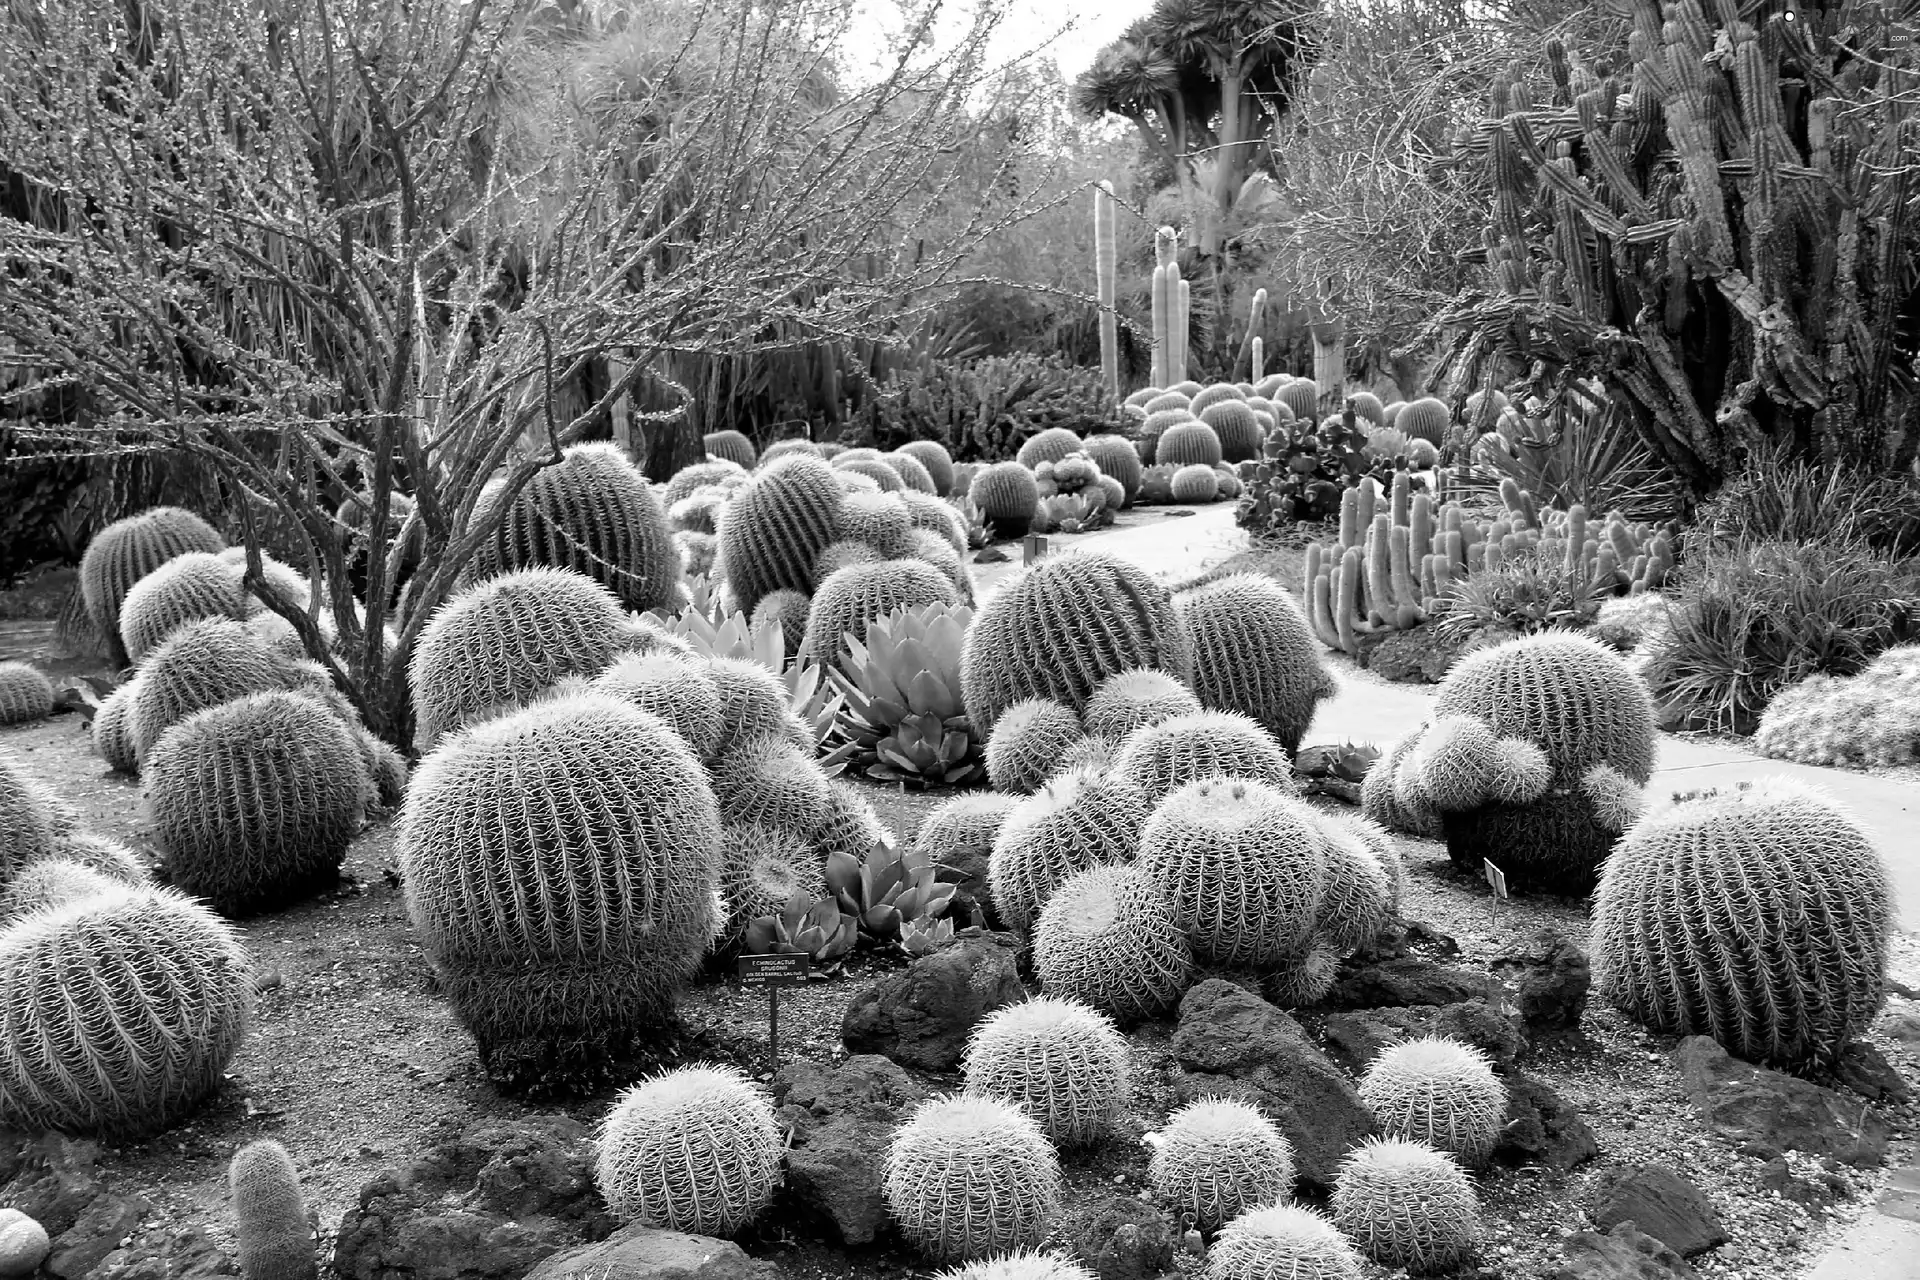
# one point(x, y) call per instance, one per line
point(1439, 1092)
point(128, 550)
point(1254, 653)
point(1060, 1061)
point(969, 1177)
point(1075, 821)
point(25, 693)
point(270, 1215)
point(1778, 498)
point(1528, 592)
point(1218, 1157)
point(694, 1149)
point(1406, 1205)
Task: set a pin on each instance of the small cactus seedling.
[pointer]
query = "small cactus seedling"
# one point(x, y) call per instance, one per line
point(1218, 1157)
point(275, 1234)
point(968, 1177)
point(695, 1149)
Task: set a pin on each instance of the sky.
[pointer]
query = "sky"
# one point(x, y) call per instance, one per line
point(1030, 22)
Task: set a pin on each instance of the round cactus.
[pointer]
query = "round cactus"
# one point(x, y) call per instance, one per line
point(695, 1149)
point(882, 474)
point(931, 548)
point(1060, 1061)
point(51, 882)
point(848, 824)
point(275, 1237)
point(97, 853)
point(771, 782)
point(1167, 401)
point(915, 477)
point(1378, 797)
point(761, 869)
point(1027, 1264)
point(1130, 700)
point(1361, 884)
point(1426, 419)
point(255, 800)
point(118, 1013)
point(695, 476)
point(1439, 1092)
point(776, 525)
point(1759, 916)
point(1406, 1205)
point(1107, 938)
point(753, 705)
point(969, 1177)
point(1281, 1242)
point(1301, 396)
point(1195, 484)
point(1218, 393)
point(1118, 460)
point(1241, 865)
point(1188, 444)
point(676, 689)
point(1235, 427)
point(201, 664)
point(792, 444)
point(1218, 1157)
point(113, 730)
point(1007, 495)
point(849, 600)
point(497, 644)
point(880, 520)
point(968, 821)
point(1254, 653)
point(1027, 744)
point(843, 554)
point(1060, 628)
point(128, 550)
point(25, 693)
point(199, 584)
point(1078, 820)
point(560, 867)
point(1050, 445)
point(1367, 405)
point(732, 446)
point(936, 516)
point(1159, 758)
point(935, 460)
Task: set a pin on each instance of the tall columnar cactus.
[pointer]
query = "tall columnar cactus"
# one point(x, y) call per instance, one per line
point(270, 1214)
point(1241, 865)
point(1076, 821)
point(1107, 281)
point(677, 689)
point(1759, 916)
point(498, 643)
point(1007, 496)
point(775, 527)
point(186, 588)
point(128, 550)
point(1107, 937)
point(25, 693)
point(1162, 757)
point(118, 1013)
point(1254, 653)
point(1166, 305)
point(1406, 1205)
point(1281, 1242)
point(560, 867)
point(255, 800)
point(849, 600)
point(593, 513)
point(694, 1149)
point(1063, 626)
point(200, 665)
point(970, 1177)
point(1440, 1092)
point(731, 446)
point(1182, 325)
point(1218, 1157)
point(1028, 744)
point(1062, 1062)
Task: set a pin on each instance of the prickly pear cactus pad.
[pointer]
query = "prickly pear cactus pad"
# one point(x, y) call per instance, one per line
point(969, 1177)
point(694, 1149)
point(1218, 1157)
point(1062, 1062)
point(1254, 653)
point(1107, 937)
point(1759, 916)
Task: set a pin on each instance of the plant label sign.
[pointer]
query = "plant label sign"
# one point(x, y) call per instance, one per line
point(1035, 548)
point(1497, 881)
point(788, 970)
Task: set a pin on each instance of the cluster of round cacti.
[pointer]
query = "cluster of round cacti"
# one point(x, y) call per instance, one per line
point(1076, 821)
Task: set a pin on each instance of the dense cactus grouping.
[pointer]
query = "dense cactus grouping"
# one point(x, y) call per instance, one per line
point(128, 550)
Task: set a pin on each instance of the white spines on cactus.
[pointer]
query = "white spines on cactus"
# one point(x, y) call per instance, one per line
point(753, 705)
point(968, 821)
point(1281, 1242)
point(1061, 1061)
point(1218, 1157)
point(1406, 1205)
point(1027, 1264)
point(1163, 757)
point(848, 824)
point(1076, 821)
point(270, 1214)
point(1358, 891)
point(968, 1177)
point(52, 882)
point(25, 693)
point(760, 871)
point(1440, 1092)
point(26, 828)
point(199, 584)
point(1130, 700)
point(695, 1149)
point(1254, 653)
point(771, 782)
point(1027, 743)
point(678, 690)
point(97, 853)
point(200, 664)
point(1108, 938)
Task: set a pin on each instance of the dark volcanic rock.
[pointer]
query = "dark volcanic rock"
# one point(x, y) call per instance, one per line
point(1550, 977)
point(921, 1017)
point(647, 1253)
point(1659, 1202)
point(1355, 1037)
point(1624, 1253)
point(1866, 1071)
point(1542, 1128)
point(1407, 980)
point(1121, 1237)
point(1755, 1104)
point(841, 1119)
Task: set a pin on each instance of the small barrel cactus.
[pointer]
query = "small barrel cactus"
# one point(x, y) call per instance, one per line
point(848, 824)
point(968, 1177)
point(1242, 866)
point(695, 476)
point(938, 517)
point(1026, 1264)
point(873, 472)
point(1118, 460)
point(792, 444)
point(118, 1013)
point(97, 853)
point(913, 475)
point(732, 446)
point(753, 705)
point(1426, 419)
point(772, 782)
point(200, 665)
point(1281, 1242)
point(1050, 445)
point(199, 584)
point(1217, 393)
point(1062, 1062)
point(1188, 444)
point(775, 527)
point(1301, 396)
point(1218, 1157)
point(1130, 700)
point(968, 821)
point(787, 610)
point(500, 642)
point(678, 690)
point(1253, 652)
point(270, 1215)
point(1007, 495)
point(1076, 821)
point(1195, 484)
point(1379, 800)
point(1237, 429)
point(1406, 1205)
point(1161, 758)
point(881, 520)
point(848, 601)
point(128, 550)
point(932, 455)
point(694, 1149)
point(760, 871)
point(1027, 745)
point(26, 826)
point(52, 882)
point(1759, 916)
point(1107, 938)
point(1440, 1092)
point(25, 693)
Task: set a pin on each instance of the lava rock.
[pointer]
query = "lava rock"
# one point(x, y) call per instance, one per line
point(1232, 1043)
point(186, 1254)
point(1902, 1026)
point(1551, 978)
point(1661, 1203)
point(1542, 1128)
point(1825, 1187)
point(841, 1119)
point(1417, 654)
point(1355, 1038)
point(1407, 980)
point(52, 1180)
point(1121, 1237)
point(991, 555)
point(1747, 1103)
point(648, 1253)
point(1866, 1071)
point(921, 1017)
point(965, 868)
point(486, 1206)
point(1624, 1253)
point(107, 1220)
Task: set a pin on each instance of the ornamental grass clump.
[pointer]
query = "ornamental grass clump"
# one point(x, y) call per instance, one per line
point(695, 1149)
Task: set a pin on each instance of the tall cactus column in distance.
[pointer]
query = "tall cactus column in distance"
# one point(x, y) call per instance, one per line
point(1182, 325)
point(1107, 274)
point(1165, 301)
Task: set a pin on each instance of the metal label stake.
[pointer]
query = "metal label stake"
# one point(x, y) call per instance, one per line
point(1497, 881)
point(773, 972)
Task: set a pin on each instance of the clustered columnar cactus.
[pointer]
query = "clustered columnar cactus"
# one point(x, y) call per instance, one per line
point(1406, 1205)
point(1760, 917)
point(25, 693)
point(254, 801)
point(270, 1215)
point(1439, 1092)
point(1108, 938)
point(1078, 820)
point(848, 601)
point(118, 1014)
point(1027, 1264)
point(970, 1177)
point(1060, 628)
point(1218, 1157)
point(498, 643)
point(1007, 495)
point(1060, 1061)
point(199, 584)
point(593, 513)
point(933, 456)
point(560, 867)
point(777, 525)
point(128, 550)
point(677, 689)
point(1131, 700)
point(1254, 653)
point(1160, 758)
point(1535, 758)
point(695, 1149)
point(732, 446)
point(1028, 744)
point(1281, 1242)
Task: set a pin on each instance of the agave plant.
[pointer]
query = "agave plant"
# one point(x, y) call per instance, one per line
point(902, 718)
point(1070, 513)
point(888, 889)
point(921, 937)
point(978, 534)
point(817, 929)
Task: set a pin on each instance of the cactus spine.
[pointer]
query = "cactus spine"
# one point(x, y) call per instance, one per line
point(270, 1215)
